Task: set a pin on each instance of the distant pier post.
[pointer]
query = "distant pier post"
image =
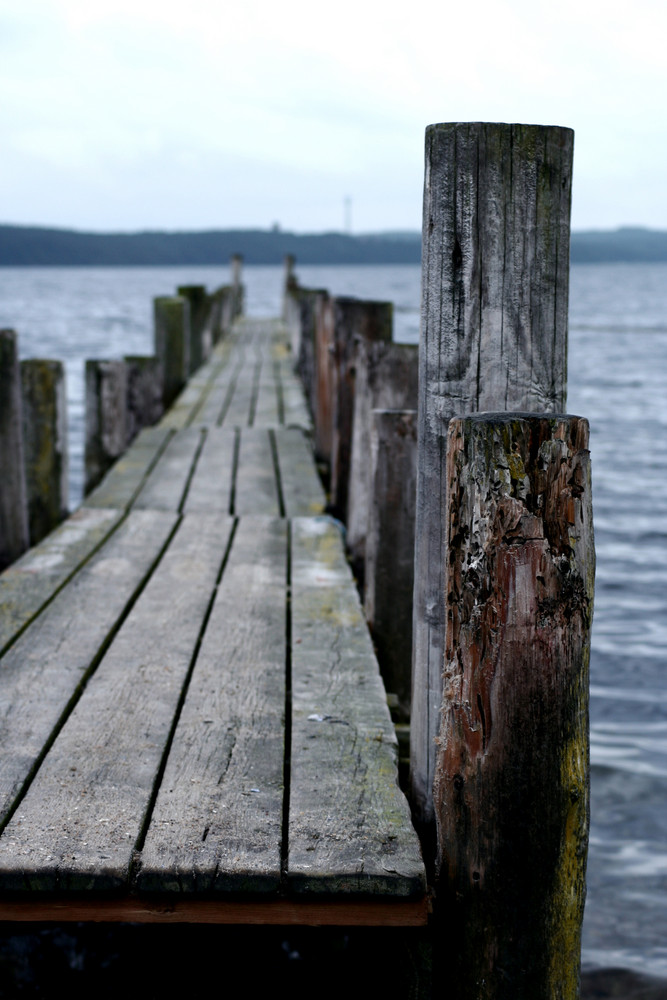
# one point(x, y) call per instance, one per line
point(106, 424)
point(144, 393)
point(495, 264)
point(14, 534)
point(237, 285)
point(289, 282)
point(199, 307)
point(172, 342)
point(44, 406)
point(511, 777)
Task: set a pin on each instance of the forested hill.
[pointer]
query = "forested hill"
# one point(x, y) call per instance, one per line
point(31, 245)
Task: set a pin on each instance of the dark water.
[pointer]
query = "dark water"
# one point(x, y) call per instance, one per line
point(618, 379)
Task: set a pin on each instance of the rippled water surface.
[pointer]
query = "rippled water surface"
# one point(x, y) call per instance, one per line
point(618, 379)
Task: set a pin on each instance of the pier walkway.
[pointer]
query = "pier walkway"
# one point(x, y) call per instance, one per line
point(192, 721)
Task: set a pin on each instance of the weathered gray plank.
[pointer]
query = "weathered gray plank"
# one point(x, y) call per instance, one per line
point(295, 407)
point(302, 492)
point(123, 481)
point(217, 823)
point(239, 404)
point(266, 407)
point(256, 490)
point(211, 486)
point(165, 487)
point(34, 578)
point(77, 827)
point(42, 670)
point(349, 824)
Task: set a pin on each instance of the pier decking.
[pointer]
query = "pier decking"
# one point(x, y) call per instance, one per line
point(192, 721)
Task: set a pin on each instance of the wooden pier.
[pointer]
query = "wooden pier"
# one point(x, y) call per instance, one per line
point(193, 722)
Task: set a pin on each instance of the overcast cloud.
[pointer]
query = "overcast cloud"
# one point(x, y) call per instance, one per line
point(132, 114)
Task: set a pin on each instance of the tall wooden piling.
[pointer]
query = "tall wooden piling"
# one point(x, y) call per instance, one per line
point(511, 781)
point(45, 451)
point(237, 285)
point(390, 547)
point(495, 263)
point(354, 322)
point(106, 423)
point(145, 390)
point(200, 346)
point(172, 342)
point(321, 390)
point(289, 284)
point(14, 536)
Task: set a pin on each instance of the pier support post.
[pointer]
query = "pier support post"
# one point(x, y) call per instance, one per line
point(172, 343)
point(200, 345)
point(355, 321)
point(44, 405)
point(289, 283)
point(385, 379)
point(390, 548)
point(237, 286)
point(511, 781)
point(321, 401)
point(495, 264)
point(106, 423)
point(14, 536)
point(144, 393)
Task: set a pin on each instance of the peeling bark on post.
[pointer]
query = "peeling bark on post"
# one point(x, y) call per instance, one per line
point(14, 537)
point(44, 406)
point(495, 265)
point(511, 783)
point(172, 343)
point(106, 423)
point(390, 547)
point(355, 322)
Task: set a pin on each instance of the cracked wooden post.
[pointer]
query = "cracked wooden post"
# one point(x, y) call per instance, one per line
point(390, 548)
point(14, 536)
point(200, 336)
point(106, 419)
point(495, 264)
point(44, 405)
point(512, 769)
point(172, 343)
point(386, 379)
point(355, 321)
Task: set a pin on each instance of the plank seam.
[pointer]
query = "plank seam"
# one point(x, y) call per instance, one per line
point(235, 466)
point(149, 468)
point(193, 467)
point(88, 673)
point(276, 469)
point(231, 389)
point(135, 864)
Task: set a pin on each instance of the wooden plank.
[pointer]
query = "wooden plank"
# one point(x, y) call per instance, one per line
point(33, 580)
point(349, 824)
point(217, 823)
point(211, 486)
point(256, 490)
point(166, 485)
point(77, 827)
point(302, 492)
point(266, 407)
point(43, 669)
point(187, 909)
point(295, 407)
point(124, 480)
point(239, 406)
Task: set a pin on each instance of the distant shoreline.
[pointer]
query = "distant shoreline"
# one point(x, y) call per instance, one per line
point(43, 246)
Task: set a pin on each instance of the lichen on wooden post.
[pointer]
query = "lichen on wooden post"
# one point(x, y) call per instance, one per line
point(495, 265)
point(14, 536)
point(512, 771)
point(172, 342)
point(44, 406)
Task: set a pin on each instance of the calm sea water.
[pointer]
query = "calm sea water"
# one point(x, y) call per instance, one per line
point(618, 379)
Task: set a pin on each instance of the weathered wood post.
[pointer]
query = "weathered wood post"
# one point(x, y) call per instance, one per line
point(106, 418)
point(237, 286)
point(495, 263)
point(289, 283)
point(390, 547)
point(511, 782)
point(145, 390)
point(172, 343)
point(45, 451)
point(321, 401)
point(386, 379)
point(14, 536)
point(355, 321)
point(199, 306)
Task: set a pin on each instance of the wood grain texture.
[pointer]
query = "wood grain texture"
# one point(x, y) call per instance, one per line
point(27, 585)
point(211, 485)
point(217, 823)
point(45, 451)
point(349, 824)
point(300, 484)
point(42, 671)
point(124, 480)
point(511, 785)
point(495, 266)
point(166, 485)
point(14, 529)
point(106, 418)
point(77, 827)
point(172, 342)
point(256, 490)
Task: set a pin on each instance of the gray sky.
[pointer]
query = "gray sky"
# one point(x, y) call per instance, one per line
point(131, 114)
